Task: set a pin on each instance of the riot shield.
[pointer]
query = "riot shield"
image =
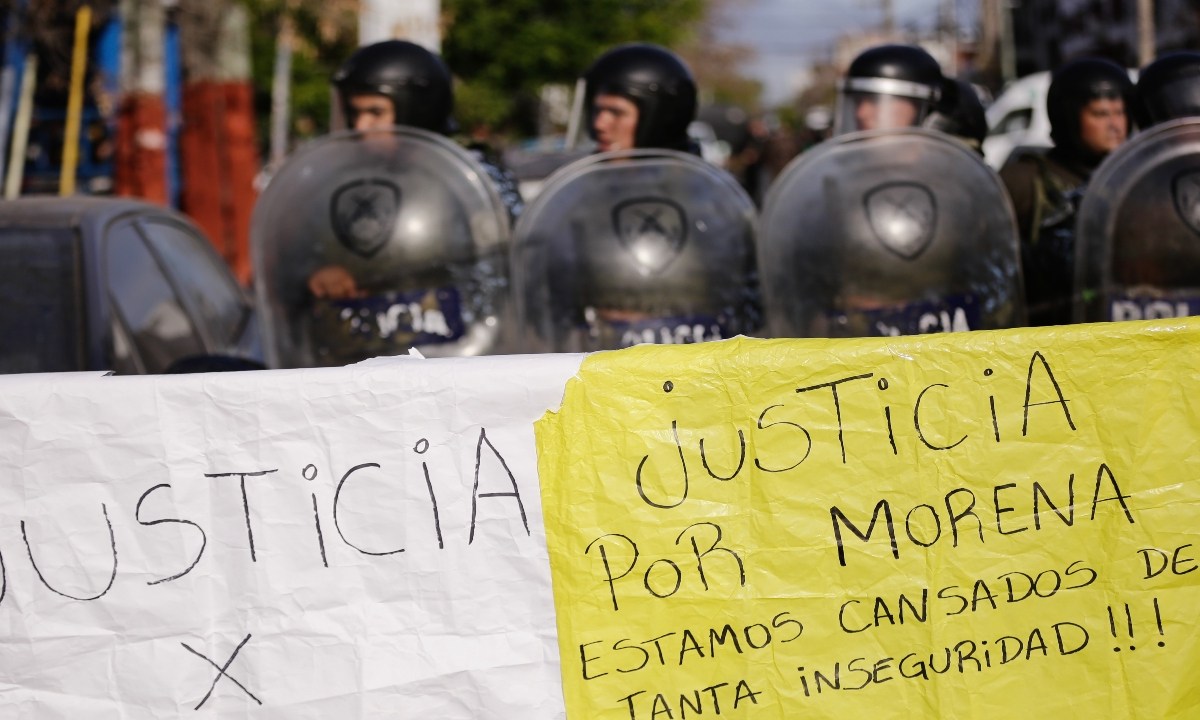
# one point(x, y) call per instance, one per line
point(632, 247)
point(1138, 229)
point(894, 232)
point(413, 236)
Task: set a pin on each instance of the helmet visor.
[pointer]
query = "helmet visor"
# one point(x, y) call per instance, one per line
point(858, 110)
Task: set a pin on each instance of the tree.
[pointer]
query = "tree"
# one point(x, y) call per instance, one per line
point(504, 52)
point(326, 33)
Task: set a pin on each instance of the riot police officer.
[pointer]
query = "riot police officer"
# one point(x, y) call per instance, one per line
point(1137, 256)
point(887, 86)
point(639, 96)
point(644, 242)
point(396, 82)
point(389, 237)
point(1169, 88)
point(1086, 105)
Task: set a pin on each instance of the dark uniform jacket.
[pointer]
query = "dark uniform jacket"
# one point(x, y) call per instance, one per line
point(1045, 191)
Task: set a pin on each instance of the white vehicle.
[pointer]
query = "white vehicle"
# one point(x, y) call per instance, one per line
point(1018, 118)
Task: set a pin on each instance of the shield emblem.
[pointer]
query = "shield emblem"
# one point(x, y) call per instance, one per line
point(363, 214)
point(652, 231)
point(902, 216)
point(1186, 191)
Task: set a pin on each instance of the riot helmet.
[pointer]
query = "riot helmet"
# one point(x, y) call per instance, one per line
point(1072, 88)
point(1169, 88)
point(415, 80)
point(657, 81)
point(887, 86)
point(959, 113)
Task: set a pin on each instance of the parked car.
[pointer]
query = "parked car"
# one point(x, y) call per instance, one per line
point(90, 283)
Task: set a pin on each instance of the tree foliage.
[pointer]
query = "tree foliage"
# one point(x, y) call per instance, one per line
point(501, 51)
point(326, 33)
point(504, 52)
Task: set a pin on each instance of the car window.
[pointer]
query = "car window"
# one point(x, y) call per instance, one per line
point(200, 277)
point(159, 327)
point(1015, 121)
point(41, 301)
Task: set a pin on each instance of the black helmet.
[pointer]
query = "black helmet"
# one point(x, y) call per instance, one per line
point(415, 80)
point(657, 81)
point(1072, 87)
point(959, 112)
point(890, 76)
point(1169, 88)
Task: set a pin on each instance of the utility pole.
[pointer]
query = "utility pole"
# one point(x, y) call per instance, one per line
point(949, 33)
point(1146, 32)
point(989, 38)
point(281, 83)
point(1008, 45)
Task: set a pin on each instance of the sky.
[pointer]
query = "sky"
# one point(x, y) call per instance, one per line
point(786, 34)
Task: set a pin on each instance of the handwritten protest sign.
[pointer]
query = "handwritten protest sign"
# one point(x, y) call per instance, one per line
point(971, 526)
point(363, 542)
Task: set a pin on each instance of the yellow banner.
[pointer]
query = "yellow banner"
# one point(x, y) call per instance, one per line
point(979, 525)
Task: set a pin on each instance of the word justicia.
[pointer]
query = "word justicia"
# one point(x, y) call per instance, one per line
point(664, 480)
point(336, 507)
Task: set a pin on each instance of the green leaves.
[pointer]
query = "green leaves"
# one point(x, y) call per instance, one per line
point(504, 52)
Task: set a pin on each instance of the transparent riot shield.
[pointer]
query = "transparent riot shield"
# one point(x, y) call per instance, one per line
point(368, 244)
point(1138, 229)
point(632, 247)
point(882, 233)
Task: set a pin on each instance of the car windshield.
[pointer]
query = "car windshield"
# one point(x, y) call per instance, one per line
point(41, 307)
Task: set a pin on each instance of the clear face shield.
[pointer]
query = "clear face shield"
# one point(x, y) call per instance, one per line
point(880, 104)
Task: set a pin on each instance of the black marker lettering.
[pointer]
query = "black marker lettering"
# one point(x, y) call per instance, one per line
point(245, 501)
point(837, 406)
point(137, 515)
point(476, 495)
point(112, 539)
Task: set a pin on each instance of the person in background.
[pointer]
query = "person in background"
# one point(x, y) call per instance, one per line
point(640, 96)
point(1087, 104)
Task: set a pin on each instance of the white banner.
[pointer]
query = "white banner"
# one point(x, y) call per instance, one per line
point(363, 542)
